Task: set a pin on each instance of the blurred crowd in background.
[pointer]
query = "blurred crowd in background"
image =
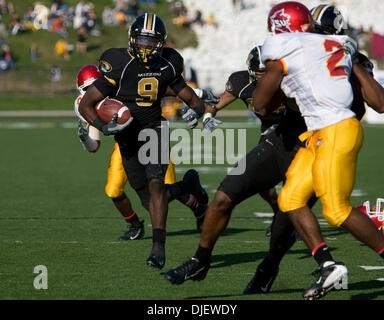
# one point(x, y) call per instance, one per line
point(58, 17)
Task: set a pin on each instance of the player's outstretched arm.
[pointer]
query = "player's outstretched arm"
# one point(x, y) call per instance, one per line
point(196, 106)
point(89, 136)
point(266, 88)
point(372, 91)
point(225, 99)
point(192, 100)
point(209, 122)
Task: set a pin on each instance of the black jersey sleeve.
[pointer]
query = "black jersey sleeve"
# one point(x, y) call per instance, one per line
point(176, 62)
point(111, 65)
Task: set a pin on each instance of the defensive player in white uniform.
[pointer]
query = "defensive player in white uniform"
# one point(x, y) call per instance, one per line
point(314, 69)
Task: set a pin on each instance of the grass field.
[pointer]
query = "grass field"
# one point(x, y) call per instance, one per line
point(53, 212)
point(13, 102)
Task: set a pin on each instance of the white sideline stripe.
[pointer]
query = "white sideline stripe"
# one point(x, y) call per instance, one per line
point(380, 279)
point(369, 268)
point(263, 214)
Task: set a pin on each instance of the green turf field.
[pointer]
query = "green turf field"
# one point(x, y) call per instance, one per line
point(53, 212)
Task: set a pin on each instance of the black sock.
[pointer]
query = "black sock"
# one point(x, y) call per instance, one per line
point(176, 189)
point(203, 255)
point(158, 241)
point(283, 237)
point(321, 254)
point(195, 206)
point(133, 220)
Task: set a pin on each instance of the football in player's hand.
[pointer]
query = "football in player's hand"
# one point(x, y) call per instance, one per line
point(106, 108)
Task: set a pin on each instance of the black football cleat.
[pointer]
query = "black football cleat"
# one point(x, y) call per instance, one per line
point(262, 281)
point(192, 181)
point(156, 261)
point(190, 270)
point(134, 233)
point(333, 276)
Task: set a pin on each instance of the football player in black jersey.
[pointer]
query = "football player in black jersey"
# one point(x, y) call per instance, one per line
point(240, 85)
point(139, 77)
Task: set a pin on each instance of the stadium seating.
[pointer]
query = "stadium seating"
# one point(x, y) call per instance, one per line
point(223, 49)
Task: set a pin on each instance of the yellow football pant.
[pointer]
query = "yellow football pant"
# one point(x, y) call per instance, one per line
point(326, 166)
point(117, 178)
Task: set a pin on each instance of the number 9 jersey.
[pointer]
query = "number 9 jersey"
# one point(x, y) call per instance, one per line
point(138, 86)
point(317, 72)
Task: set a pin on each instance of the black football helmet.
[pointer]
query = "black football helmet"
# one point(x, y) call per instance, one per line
point(254, 62)
point(328, 19)
point(147, 36)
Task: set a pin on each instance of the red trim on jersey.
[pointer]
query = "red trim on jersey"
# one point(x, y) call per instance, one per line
point(281, 61)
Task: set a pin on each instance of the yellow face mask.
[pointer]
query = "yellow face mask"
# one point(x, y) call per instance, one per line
point(144, 53)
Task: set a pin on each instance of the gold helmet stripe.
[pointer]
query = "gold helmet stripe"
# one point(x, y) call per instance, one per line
point(149, 22)
point(322, 11)
point(317, 11)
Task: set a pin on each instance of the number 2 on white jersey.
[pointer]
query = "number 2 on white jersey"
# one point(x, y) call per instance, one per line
point(335, 58)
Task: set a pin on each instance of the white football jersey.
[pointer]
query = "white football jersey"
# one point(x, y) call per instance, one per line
point(93, 132)
point(317, 72)
point(76, 106)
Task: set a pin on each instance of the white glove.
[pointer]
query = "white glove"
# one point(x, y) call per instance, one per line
point(351, 48)
point(210, 123)
point(209, 97)
point(190, 116)
point(82, 130)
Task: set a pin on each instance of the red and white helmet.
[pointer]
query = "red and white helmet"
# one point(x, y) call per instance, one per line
point(289, 16)
point(86, 76)
point(377, 213)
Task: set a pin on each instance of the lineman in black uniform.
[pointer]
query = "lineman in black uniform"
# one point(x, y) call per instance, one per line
point(240, 85)
point(139, 77)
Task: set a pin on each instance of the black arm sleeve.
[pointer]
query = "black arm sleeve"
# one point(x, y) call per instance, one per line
point(105, 87)
point(178, 84)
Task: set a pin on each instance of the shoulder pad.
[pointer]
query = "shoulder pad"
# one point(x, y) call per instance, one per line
point(174, 58)
point(239, 76)
point(111, 60)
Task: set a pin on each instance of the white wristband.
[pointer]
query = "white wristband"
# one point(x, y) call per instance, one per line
point(207, 115)
point(89, 144)
point(198, 92)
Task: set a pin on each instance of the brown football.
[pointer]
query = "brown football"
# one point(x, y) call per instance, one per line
point(106, 108)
